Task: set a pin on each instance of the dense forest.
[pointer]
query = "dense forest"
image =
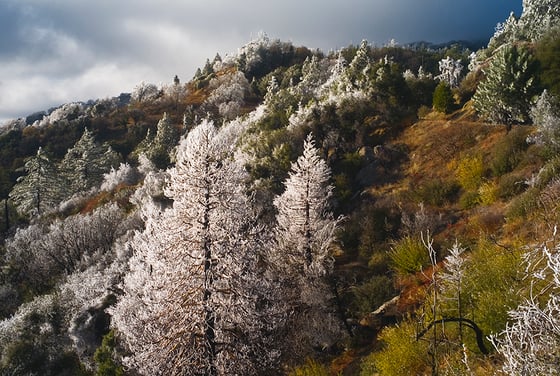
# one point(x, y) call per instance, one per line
point(385, 210)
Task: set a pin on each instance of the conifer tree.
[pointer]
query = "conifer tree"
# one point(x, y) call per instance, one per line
point(190, 303)
point(443, 98)
point(85, 163)
point(546, 117)
point(538, 17)
point(40, 188)
point(304, 234)
point(163, 143)
point(505, 95)
point(360, 65)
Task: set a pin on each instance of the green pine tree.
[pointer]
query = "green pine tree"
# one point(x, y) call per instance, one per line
point(443, 98)
point(104, 358)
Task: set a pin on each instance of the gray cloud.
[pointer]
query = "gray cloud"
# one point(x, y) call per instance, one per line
point(59, 51)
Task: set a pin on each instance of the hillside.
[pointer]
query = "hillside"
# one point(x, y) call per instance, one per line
point(373, 211)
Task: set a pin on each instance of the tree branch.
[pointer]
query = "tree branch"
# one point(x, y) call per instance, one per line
point(471, 324)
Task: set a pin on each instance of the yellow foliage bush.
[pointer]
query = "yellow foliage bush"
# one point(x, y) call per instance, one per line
point(469, 171)
point(488, 193)
point(402, 353)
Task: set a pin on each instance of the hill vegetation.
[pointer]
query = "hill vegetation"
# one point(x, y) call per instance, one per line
point(373, 211)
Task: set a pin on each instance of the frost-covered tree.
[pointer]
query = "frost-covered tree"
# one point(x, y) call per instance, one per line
point(145, 92)
point(175, 91)
point(86, 162)
point(338, 83)
point(505, 94)
point(546, 116)
point(538, 17)
point(64, 246)
point(530, 344)
point(66, 112)
point(450, 71)
point(304, 234)
point(271, 90)
point(34, 342)
point(358, 67)
point(250, 55)
point(190, 303)
point(314, 74)
point(453, 284)
point(159, 147)
point(40, 188)
point(305, 224)
point(505, 32)
point(229, 92)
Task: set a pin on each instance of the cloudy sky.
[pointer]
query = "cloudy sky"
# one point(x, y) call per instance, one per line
point(57, 51)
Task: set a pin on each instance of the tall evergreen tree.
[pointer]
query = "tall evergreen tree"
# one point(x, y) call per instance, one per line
point(85, 163)
point(505, 95)
point(40, 188)
point(359, 67)
point(539, 17)
point(304, 234)
point(190, 303)
point(443, 98)
point(158, 148)
point(546, 117)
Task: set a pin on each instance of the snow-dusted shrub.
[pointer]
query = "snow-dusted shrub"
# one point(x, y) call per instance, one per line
point(125, 174)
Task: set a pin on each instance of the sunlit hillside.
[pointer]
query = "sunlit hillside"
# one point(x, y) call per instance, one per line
point(371, 211)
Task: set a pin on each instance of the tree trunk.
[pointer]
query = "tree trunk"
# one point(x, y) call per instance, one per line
point(210, 315)
point(6, 214)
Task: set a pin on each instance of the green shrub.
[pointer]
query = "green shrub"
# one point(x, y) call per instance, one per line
point(310, 368)
point(510, 185)
point(492, 284)
point(423, 112)
point(408, 256)
point(378, 262)
point(507, 154)
point(524, 204)
point(435, 192)
point(103, 357)
point(469, 200)
point(372, 294)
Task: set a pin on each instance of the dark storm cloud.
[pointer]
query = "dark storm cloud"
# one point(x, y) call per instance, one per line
point(62, 50)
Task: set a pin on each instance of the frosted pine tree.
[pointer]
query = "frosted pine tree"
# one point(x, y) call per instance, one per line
point(539, 17)
point(313, 76)
point(191, 297)
point(40, 188)
point(159, 147)
point(338, 83)
point(546, 116)
point(305, 225)
point(358, 69)
point(302, 258)
point(505, 94)
point(86, 162)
